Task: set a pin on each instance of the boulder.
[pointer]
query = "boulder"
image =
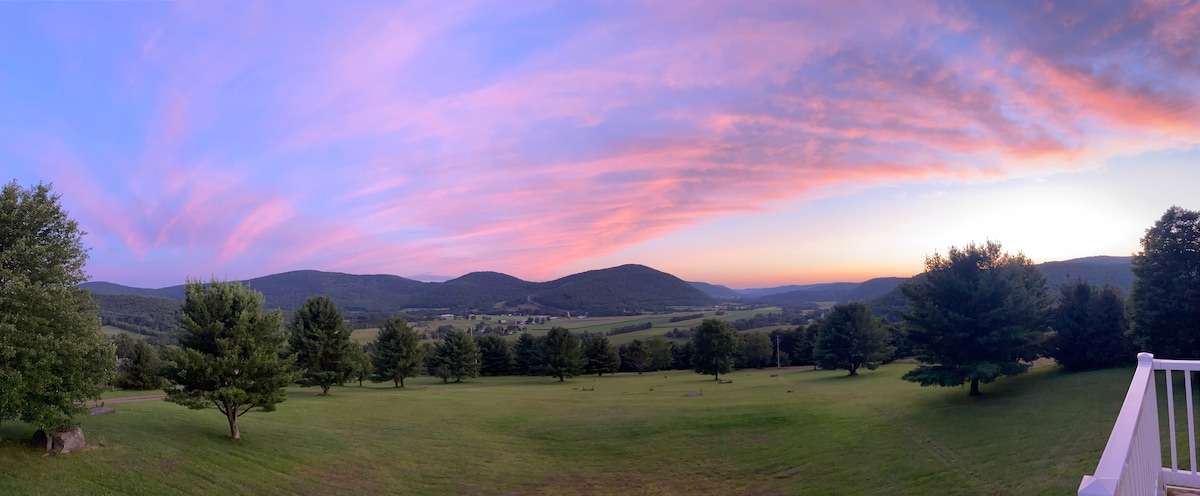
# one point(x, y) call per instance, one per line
point(64, 440)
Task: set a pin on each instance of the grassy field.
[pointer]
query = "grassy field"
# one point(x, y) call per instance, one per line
point(661, 324)
point(794, 431)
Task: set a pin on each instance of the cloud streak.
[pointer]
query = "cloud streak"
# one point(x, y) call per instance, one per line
point(418, 138)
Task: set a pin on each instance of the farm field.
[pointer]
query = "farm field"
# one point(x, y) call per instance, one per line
point(601, 325)
point(794, 431)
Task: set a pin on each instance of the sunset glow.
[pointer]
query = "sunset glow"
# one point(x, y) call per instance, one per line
point(748, 144)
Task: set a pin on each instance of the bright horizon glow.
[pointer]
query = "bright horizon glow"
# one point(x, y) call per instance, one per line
point(745, 144)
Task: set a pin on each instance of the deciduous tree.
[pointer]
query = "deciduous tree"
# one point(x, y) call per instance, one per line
point(756, 349)
point(715, 348)
point(849, 337)
point(975, 316)
point(396, 352)
point(319, 339)
point(229, 357)
point(1165, 298)
point(52, 355)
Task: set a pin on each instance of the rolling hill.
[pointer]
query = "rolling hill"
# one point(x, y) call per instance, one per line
point(366, 300)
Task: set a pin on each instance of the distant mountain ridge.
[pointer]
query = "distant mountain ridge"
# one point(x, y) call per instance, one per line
point(628, 289)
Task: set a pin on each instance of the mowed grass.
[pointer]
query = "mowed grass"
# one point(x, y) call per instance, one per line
point(794, 431)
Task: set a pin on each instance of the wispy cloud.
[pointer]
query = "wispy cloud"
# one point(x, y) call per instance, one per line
point(420, 137)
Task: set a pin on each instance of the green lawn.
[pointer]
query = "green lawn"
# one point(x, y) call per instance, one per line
point(800, 432)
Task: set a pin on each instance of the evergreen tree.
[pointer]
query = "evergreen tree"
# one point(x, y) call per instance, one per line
point(496, 355)
point(52, 356)
point(1165, 298)
point(682, 355)
point(525, 354)
point(602, 357)
point(457, 357)
point(229, 357)
point(562, 355)
point(635, 356)
point(716, 347)
point(396, 352)
point(802, 354)
point(138, 365)
point(976, 315)
point(849, 337)
point(319, 339)
point(1089, 328)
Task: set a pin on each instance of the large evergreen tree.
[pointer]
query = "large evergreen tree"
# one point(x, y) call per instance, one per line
point(396, 353)
point(52, 355)
point(562, 355)
point(229, 357)
point(716, 345)
point(1165, 298)
point(975, 316)
point(137, 364)
point(525, 354)
point(602, 357)
point(456, 357)
point(320, 340)
point(849, 337)
point(1089, 328)
point(496, 355)
point(635, 356)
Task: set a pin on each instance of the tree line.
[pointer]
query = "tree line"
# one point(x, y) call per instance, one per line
point(975, 314)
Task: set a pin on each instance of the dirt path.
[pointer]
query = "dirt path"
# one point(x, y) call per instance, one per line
point(128, 399)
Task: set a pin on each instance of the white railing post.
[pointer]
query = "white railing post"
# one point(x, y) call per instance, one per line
point(1132, 460)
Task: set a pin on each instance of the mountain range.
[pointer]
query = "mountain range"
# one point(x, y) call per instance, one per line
point(625, 290)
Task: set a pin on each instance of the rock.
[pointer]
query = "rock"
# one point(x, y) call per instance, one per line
point(62, 440)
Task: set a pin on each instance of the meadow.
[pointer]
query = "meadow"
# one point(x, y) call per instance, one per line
point(790, 431)
point(598, 325)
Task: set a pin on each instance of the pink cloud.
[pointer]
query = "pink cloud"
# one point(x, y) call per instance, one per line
point(387, 139)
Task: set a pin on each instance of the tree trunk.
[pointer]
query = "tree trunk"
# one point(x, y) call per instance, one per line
point(716, 376)
point(854, 370)
point(974, 387)
point(560, 378)
point(234, 433)
point(401, 382)
point(324, 390)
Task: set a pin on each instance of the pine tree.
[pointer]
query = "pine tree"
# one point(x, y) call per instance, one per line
point(229, 357)
point(976, 315)
point(525, 354)
point(1089, 328)
point(1165, 298)
point(496, 355)
point(319, 339)
point(562, 355)
point(602, 357)
point(456, 357)
point(138, 365)
point(396, 353)
point(849, 337)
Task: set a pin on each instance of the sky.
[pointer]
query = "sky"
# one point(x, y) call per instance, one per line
point(750, 144)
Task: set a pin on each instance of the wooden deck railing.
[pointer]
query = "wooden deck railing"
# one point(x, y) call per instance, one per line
point(1132, 460)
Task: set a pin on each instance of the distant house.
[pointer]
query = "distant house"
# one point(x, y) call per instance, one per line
point(447, 316)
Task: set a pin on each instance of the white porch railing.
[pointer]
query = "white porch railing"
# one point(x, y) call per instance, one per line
point(1132, 459)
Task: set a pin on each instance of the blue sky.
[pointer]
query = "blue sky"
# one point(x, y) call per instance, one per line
point(746, 144)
